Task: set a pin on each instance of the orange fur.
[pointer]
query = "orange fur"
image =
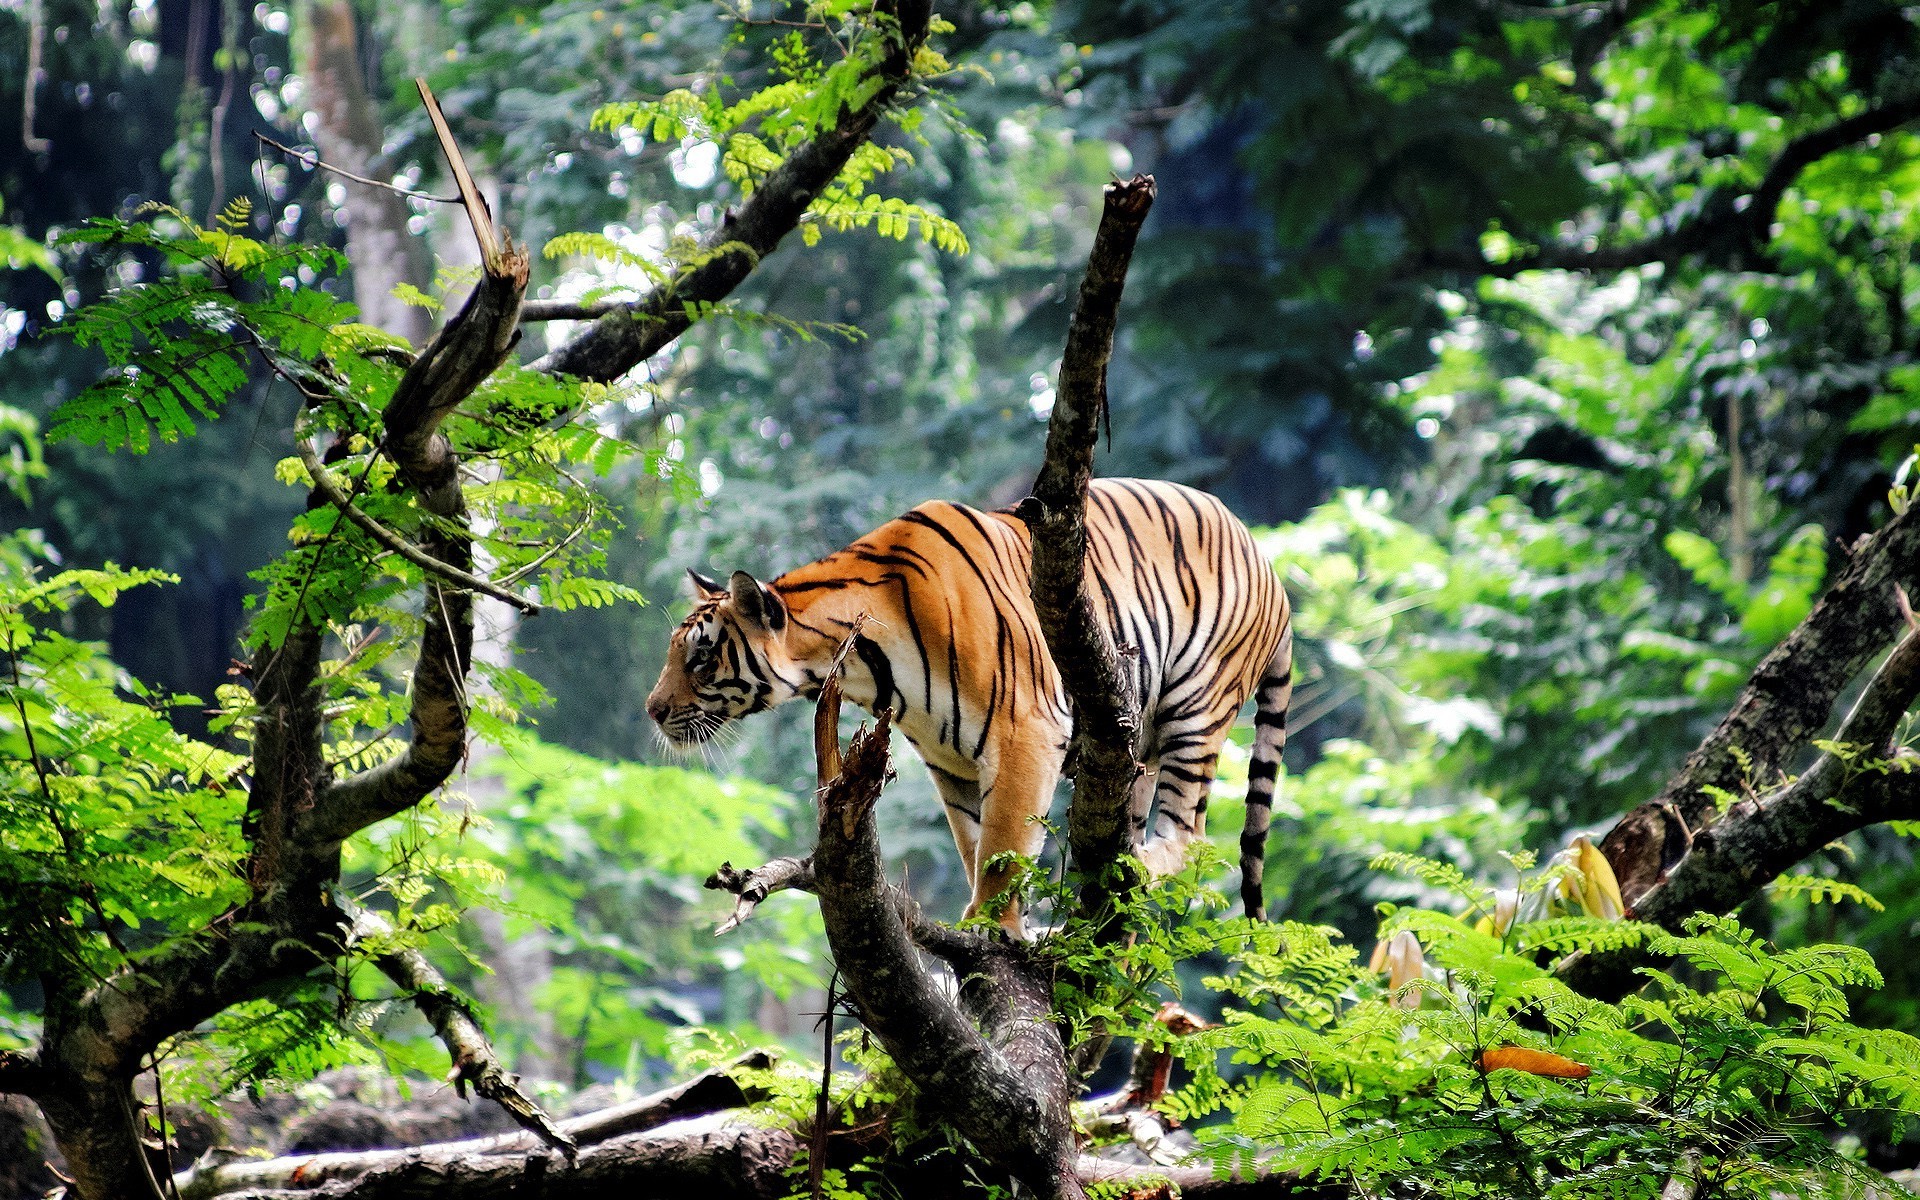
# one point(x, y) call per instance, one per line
point(952, 645)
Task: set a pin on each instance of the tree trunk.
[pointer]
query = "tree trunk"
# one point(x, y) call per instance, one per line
point(350, 136)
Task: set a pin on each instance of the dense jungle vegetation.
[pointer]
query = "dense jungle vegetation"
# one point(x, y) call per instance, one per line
point(1559, 351)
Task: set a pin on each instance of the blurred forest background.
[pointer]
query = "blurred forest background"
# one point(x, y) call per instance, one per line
point(1560, 347)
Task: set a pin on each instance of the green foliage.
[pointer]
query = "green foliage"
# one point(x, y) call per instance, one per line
point(1768, 610)
point(114, 828)
point(607, 858)
point(18, 252)
point(1733, 1078)
point(178, 347)
point(816, 84)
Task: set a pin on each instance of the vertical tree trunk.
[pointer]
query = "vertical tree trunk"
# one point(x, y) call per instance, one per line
point(350, 136)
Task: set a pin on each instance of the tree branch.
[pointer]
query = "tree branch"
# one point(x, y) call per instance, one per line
point(708, 1092)
point(325, 484)
point(629, 335)
point(1106, 727)
point(467, 350)
point(1731, 227)
point(717, 1157)
point(1863, 781)
point(1784, 704)
point(751, 887)
point(1003, 1084)
point(474, 1060)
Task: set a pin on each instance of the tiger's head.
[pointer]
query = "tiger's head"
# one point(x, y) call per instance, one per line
point(726, 660)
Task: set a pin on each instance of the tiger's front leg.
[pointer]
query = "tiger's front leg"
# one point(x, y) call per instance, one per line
point(1017, 778)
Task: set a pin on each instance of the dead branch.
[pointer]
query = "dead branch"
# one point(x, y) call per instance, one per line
point(755, 885)
point(718, 1157)
point(712, 1091)
point(1106, 733)
point(310, 159)
point(473, 1056)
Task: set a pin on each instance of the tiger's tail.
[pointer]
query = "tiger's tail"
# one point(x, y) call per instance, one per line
point(1269, 739)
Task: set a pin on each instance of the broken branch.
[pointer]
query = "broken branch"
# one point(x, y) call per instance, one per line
point(474, 1059)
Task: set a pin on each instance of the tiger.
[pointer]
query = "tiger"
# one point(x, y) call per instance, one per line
point(945, 634)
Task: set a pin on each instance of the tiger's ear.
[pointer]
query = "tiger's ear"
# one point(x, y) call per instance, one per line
point(701, 587)
point(756, 603)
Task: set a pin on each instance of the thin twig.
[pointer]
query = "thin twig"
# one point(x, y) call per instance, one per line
point(311, 159)
point(817, 1150)
point(569, 310)
point(160, 1106)
point(516, 575)
point(324, 484)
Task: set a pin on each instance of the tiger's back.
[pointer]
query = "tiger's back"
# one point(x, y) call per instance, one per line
point(952, 644)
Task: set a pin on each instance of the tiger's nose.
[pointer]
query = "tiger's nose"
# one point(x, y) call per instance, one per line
point(658, 710)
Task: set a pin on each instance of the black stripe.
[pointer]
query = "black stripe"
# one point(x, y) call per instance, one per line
point(1263, 770)
point(882, 671)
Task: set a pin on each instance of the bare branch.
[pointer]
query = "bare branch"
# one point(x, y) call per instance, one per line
point(752, 887)
point(536, 311)
point(474, 1059)
point(709, 1092)
point(310, 159)
point(721, 1156)
point(1106, 730)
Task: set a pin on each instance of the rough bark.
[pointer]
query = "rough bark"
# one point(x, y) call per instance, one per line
point(1864, 780)
point(709, 1092)
point(629, 334)
point(995, 1070)
point(1106, 727)
point(1786, 702)
point(349, 134)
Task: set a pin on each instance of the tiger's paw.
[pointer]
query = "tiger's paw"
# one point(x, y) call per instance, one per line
point(1162, 857)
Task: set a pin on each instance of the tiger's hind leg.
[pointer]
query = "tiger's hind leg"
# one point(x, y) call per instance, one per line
point(961, 798)
point(1188, 750)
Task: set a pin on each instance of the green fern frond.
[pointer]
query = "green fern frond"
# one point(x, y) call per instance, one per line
point(1818, 890)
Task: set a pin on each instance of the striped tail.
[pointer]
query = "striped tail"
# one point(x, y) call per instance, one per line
point(1269, 739)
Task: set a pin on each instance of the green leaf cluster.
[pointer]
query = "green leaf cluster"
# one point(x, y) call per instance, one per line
point(1735, 1076)
point(115, 829)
